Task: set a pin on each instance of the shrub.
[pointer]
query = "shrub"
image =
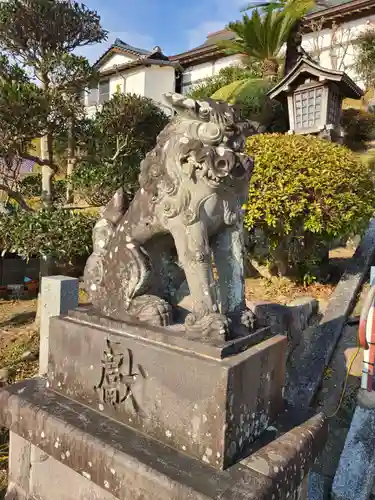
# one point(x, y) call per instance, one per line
point(359, 127)
point(304, 193)
point(121, 134)
point(251, 96)
point(365, 59)
point(97, 182)
point(31, 187)
point(224, 77)
point(61, 234)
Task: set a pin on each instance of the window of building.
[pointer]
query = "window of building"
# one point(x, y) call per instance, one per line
point(93, 96)
point(103, 91)
point(98, 93)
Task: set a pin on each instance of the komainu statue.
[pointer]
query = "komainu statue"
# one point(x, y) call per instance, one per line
point(186, 215)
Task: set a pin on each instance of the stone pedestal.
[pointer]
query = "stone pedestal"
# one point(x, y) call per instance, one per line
point(63, 450)
point(129, 412)
point(208, 399)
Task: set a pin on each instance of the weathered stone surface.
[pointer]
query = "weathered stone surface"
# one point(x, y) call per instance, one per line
point(33, 474)
point(187, 394)
point(354, 478)
point(287, 460)
point(319, 486)
point(288, 320)
point(328, 400)
point(130, 466)
point(310, 358)
point(52, 480)
point(19, 465)
point(58, 295)
point(189, 206)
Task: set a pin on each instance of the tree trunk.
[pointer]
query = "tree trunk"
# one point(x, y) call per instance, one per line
point(280, 260)
point(270, 69)
point(47, 172)
point(293, 47)
point(46, 149)
point(70, 164)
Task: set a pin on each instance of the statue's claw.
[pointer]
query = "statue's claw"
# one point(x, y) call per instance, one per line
point(151, 310)
point(210, 325)
point(242, 323)
point(248, 319)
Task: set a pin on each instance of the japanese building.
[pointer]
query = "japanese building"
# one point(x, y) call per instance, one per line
point(330, 36)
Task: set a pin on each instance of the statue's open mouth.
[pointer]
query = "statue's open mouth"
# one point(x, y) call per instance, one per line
point(223, 170)
point(242, 168)
point(238, 172)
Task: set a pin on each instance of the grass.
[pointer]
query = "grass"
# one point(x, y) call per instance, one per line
point(25, 339)
point(10, 357)
point(283, 291)
point(18, 335)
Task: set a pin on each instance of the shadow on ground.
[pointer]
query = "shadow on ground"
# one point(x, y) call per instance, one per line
point(19, 319)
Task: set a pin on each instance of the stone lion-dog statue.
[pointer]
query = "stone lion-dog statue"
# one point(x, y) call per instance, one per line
point(187, 210)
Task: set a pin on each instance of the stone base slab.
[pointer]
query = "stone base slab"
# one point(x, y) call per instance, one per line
point(35, 475)
point(210, 400)
point(111, 458)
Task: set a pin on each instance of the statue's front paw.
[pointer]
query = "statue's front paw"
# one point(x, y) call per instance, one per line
point(242, 323)
point(152, 310)
point(248, 319)
point(208, 325)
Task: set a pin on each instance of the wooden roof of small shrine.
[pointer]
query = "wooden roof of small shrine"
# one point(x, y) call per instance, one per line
point(307, 67)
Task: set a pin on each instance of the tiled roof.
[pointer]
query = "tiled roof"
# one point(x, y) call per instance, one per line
point(141, 61)
point(225, 34)
point(218, 36)
point(326, 4)
point(147, 58)
point(333, 9)
point(123, 47)
point(129, 48)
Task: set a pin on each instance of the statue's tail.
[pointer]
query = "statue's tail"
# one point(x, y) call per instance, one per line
point(102, 234)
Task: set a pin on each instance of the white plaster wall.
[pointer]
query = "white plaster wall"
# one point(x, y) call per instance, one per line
point(345, 52)
point(91, 110)
point(116, 60)
point(340, 53)
point(198, 73)
point(135, 81)
point(224, 62)
point(150, 82)
point(114, 82)
point(158, 81)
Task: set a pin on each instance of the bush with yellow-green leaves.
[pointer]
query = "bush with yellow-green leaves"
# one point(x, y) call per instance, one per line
point(304, 193)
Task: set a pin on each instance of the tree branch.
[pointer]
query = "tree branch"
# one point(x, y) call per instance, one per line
point(120, 149)
point(16, 196)
point(41, 162)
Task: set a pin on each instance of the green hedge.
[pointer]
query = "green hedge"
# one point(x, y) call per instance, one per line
point(359, 127)
point(58, 233)
point(251, 96)
point(304, 193)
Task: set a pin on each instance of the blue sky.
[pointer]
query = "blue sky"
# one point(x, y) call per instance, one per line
point(175, 25)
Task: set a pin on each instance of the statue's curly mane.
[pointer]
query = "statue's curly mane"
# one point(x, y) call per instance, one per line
point(154, 176)
point(188, 148)
point(153, 168)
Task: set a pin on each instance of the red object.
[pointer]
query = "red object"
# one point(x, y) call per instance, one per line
point(366, 335)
